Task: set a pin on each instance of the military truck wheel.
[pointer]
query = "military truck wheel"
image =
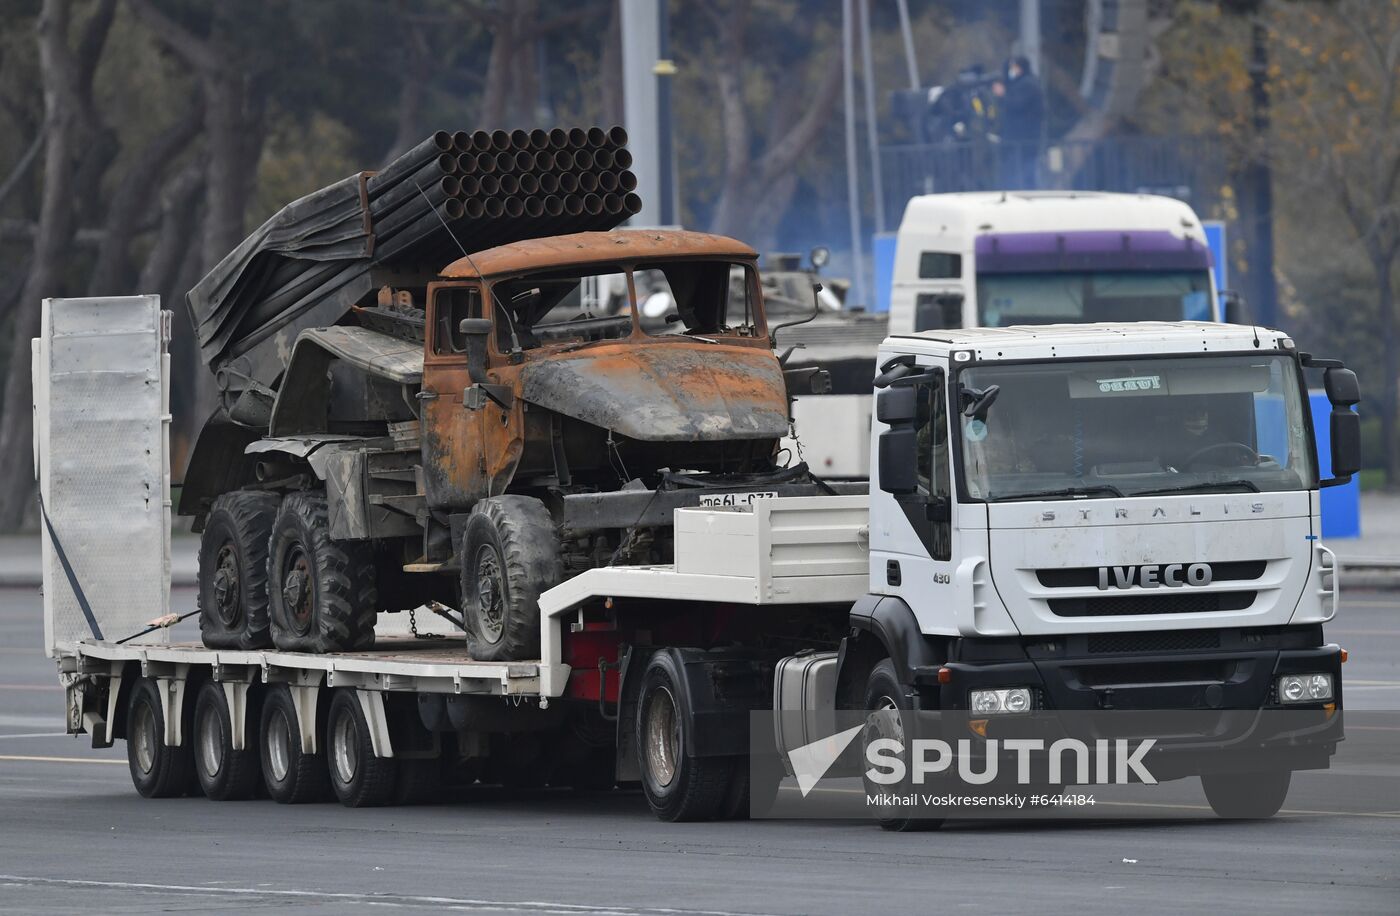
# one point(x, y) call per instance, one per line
point(321, 591)
point(509, 556)
point(233, 571)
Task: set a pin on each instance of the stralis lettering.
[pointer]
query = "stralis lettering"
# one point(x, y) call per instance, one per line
point(1172, 575)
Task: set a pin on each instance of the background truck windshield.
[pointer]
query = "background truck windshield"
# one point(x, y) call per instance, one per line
point(1109, 428)
point(1072, 297)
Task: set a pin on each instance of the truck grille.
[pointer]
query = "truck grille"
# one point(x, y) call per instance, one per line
point(1178, 602)
point(1163, 641)
point(1088, 576)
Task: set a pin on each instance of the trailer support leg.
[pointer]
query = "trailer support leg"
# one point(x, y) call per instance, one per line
point(172, 704)
point(372, 705)
point(304, 699)
point(236, 698)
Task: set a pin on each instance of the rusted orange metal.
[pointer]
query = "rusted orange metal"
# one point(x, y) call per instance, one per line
point(584, 248)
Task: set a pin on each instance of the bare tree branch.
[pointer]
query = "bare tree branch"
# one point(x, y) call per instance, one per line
point(22, 167)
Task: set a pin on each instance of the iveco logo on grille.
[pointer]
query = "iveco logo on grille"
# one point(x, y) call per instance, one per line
point(1172, 575)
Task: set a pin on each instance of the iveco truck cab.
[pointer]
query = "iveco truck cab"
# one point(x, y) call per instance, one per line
point(1046, 500)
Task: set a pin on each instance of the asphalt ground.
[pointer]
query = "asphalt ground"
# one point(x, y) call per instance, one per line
point(75, 837)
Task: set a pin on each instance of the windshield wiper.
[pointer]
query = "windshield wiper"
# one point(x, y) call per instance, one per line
point(1249, 485)
point(1086, 490)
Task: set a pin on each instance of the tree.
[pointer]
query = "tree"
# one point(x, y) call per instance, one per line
point(1337, 138)
point(759, 178)
point(72, 153)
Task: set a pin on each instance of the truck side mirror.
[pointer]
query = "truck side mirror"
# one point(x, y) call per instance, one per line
point(475, 332)
point(897, 454)
point(1344, 392)
point(898, 446)
point(1232, 307)
point(1346, 446)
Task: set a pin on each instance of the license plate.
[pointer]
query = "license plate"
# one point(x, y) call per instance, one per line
point(736, 499)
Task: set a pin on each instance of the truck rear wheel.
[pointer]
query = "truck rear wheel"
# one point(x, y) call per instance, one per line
point(157, 770)
point(360, 779)
point(224, 774)
point(291, 775)
point(233, 571)
point(678, 786)
point(509, 556)
point(321, 591)
point(1247, 795)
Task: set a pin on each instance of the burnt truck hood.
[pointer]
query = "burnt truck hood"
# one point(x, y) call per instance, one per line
point(671, 391)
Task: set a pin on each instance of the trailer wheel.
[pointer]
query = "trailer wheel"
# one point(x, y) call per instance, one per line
point(360, 779)
point(509, 556)
point(885, 698)
point(157, 771)
point(1255, 796)
point(290, 775)
point(678, 786)
point(321, 591)
point(233, 571)
point(224, 774)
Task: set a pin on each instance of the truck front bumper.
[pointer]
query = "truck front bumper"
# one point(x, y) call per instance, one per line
point(1210, 710)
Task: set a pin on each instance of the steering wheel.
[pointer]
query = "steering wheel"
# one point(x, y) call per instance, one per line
point(1250, 455)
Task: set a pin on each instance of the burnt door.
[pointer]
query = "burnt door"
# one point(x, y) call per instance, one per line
point(454, 467)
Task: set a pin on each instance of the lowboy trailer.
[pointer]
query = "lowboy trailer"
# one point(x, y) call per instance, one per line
point(1051, 527)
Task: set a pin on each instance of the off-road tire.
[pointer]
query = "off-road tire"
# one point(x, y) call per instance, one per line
point(883, 692)
point(1255, 796)
point(290, 775)
point(157, 771)
point(233, 571)
point(321, 590)
point(677, 785)
point(358, 778)
point(224, 774)
point(509, 556)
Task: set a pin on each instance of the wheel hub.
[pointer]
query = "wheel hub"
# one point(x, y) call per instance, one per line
point(227, 594)
point(296, 588)
point(490, 586)
point(663, 736)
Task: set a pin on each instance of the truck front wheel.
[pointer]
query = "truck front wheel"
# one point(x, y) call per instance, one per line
point(509, 556)
point(678, 785)
point(1247, 795)
point(886, 700)
point(322, 591)
point(233, 571)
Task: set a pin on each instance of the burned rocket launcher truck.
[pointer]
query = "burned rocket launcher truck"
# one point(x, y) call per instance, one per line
point(394, 432)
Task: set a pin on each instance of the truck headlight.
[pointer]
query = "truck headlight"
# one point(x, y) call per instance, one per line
point(992, 702)
point(1304, 688)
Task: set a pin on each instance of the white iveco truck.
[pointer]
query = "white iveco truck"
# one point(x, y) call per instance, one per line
point(1061, 518)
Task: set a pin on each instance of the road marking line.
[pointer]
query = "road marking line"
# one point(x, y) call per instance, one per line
point(24, 759)
point(38, 735)
point(457, 903)
point(1372, 728)
point(36, 688)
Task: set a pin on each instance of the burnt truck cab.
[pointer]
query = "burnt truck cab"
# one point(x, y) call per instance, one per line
point(501, 423)
point(522, 385)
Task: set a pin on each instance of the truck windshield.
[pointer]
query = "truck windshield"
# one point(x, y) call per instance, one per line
point(1056, 297)
point(1124, 428)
